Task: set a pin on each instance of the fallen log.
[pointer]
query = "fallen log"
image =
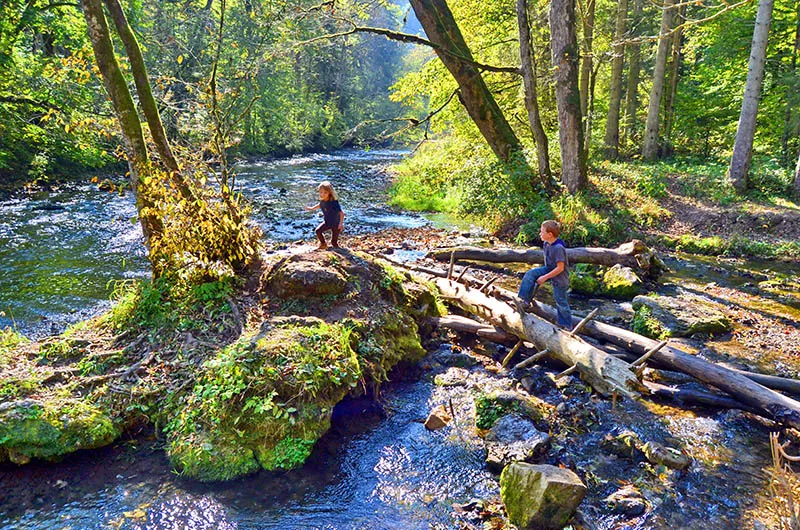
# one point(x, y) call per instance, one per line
point(467, 325)
point(634, 254)
point(769, 403)
point(605, 373)
point(690, 397)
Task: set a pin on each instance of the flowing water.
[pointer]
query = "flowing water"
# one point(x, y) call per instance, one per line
point(60, 249)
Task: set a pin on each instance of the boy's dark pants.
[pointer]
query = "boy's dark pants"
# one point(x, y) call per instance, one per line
point(320, 231)
point(559, 295)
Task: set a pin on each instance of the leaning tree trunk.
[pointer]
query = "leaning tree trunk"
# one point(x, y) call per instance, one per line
point(528, 67)
point(146, 99)
point(672, 93)
point(743, 145)
point(650, 147)
point(442, 30)
point(632, 88)
point(615, 89)
point(565, 53)
point(125, 109)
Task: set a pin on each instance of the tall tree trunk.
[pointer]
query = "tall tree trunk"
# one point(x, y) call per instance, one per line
point(528, 67)
point(589, 119)
point(650, 147)
point(615, 89)
point(146, 99)
point(743, 145)
point(634, 66)
point(587, 21)
point(125, 109)
point(789, 127)
point(442, 30)
point(565, 53)
point(669, 114)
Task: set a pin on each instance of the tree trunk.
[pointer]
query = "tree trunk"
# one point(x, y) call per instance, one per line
point(769, 403)
point(615, 89)
point(790, 127)
point(442, 30)
point(467, 325)
point(797, 178)
point(146, 99)
point(565, 53)
point(528, 67)
point(669, 118)
point(632, 88)
point(650, 147)
point(605, 373)
point(587, 21)
point(634, 254)
point(125, 109)
point(743, 145)
point(589, 118)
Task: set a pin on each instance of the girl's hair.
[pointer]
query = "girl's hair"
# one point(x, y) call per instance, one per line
point(327, 186)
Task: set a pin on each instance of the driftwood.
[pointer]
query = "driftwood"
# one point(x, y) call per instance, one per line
point(634, 254)
point(605, 373)
point(691, 397)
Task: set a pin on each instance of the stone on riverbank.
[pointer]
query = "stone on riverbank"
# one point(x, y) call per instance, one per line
point(660, 317)
point(514, 438)
point(540, 497)
point(621, 282)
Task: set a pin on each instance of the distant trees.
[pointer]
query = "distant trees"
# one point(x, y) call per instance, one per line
point(650, 145)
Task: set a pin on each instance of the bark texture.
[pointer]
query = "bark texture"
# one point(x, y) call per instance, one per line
point(442, 30)
point(650, 147)
point(611, 138)
point(125, 110)
point(745, 132)
point(674, 74)
point(528, 68)
point(565, 54)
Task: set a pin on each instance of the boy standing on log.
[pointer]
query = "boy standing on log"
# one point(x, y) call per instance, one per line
point(555, 269)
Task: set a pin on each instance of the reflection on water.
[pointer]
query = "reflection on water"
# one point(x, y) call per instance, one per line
point(59, 250)
point(372, 471)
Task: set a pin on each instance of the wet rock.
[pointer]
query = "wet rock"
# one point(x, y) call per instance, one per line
point(627, 501)
point(494, 405)
point(621, 282)
point(625, 444)
point(452, 377)
point(304, 275)
point(540, 496)
point(659, 454)
point(450, 358)
point(684, 315)
point(438, 418)
point(536, 382)
point(514, 438)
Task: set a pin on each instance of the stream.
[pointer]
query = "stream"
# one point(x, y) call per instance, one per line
point(378, 467)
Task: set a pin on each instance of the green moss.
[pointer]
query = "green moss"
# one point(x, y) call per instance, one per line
point(583, 279)
point(9, 341)
point(35, 429)
point(644, 323)
point(621, 282)
point(488, 410)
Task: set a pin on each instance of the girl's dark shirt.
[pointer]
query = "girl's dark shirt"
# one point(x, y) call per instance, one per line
point(330, 211)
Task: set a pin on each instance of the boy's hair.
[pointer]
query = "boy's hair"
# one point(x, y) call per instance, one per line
point(552, 226)
point(327, 186)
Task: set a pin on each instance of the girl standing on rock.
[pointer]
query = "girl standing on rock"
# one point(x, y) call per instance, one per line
point(333, 216)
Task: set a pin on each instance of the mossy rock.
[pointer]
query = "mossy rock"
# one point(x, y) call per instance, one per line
point(621, 282)
point(660, 317)
point(583, 279)
point(49, 429)
point(303, 275)
point(491, 407)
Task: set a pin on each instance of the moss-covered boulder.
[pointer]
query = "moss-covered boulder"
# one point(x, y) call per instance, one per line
point(540, 497)
point(264, 401)
point(49, 429)
point(660, 317)
point(583, 278)
point(621, 282)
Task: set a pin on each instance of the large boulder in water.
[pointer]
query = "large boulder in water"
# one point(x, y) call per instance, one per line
point(685, 314)
point(263, 401)
point(540, 497)
point(621, 282)
point(514, 438)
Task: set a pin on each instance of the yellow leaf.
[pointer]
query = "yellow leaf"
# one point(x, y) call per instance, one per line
point(180, 59)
